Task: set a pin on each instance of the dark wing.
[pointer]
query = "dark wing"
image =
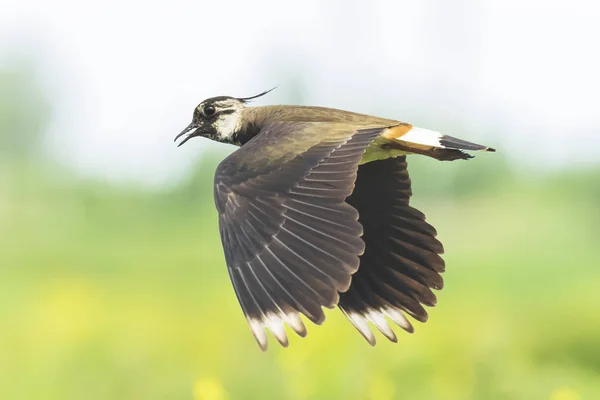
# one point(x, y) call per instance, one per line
point(291, 242)
point(401, 263)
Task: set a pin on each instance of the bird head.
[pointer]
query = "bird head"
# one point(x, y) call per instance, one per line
point(217, 118)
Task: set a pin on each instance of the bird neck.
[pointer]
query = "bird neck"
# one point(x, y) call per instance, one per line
point(248, 129)
point(243, 136)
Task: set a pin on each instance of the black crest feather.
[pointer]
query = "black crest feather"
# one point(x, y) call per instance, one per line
point(246, 99)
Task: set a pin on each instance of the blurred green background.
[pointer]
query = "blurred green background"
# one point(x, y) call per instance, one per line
point(118, 290)
point(114, 291)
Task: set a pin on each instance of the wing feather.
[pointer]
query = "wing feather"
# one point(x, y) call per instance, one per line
point(402, 264)
point(291, 243)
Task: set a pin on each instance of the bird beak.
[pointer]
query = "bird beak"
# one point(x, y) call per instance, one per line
point(191, 126)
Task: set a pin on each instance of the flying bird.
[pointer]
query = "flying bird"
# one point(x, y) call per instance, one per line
point(314, 211)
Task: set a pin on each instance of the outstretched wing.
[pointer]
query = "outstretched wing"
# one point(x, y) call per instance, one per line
point(401, 264)
point(291, 242)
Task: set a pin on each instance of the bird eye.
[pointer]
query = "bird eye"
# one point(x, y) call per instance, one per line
point(209, 110)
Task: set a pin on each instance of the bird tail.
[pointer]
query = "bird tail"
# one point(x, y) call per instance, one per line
point(431, 143)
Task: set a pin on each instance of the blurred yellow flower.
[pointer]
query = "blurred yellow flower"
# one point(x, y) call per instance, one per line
point(67, 309)
point(565, 393)
point(209, 389)
point(381, 388)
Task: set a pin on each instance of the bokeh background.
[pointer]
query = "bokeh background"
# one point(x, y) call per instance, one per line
point(112, 279)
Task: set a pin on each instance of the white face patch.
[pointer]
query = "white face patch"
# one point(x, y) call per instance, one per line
point(227, 124)
point(228, 119)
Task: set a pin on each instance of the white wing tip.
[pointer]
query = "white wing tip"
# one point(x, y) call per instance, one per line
point(378, 319)
point(399, 318)
point(258, 331)
point(362, 325)
point(295, 322)
point(361, 320)
point(274, 323)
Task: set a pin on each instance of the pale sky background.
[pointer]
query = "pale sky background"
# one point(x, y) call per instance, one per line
point(124, 76)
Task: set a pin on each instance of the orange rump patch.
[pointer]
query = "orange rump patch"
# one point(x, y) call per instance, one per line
point(396, 132)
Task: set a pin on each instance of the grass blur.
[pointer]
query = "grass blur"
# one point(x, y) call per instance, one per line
point(112, 292)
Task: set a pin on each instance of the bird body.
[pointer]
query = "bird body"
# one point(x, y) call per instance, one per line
point(314, 212)
point(400, 139)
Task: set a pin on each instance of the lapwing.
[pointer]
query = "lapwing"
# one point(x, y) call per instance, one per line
point(314, 211)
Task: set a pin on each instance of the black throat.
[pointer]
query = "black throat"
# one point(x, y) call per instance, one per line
point(244, 135)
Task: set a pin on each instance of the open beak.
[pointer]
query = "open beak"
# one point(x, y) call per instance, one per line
point(189, 136)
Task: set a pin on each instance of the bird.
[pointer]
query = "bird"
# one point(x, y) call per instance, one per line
point(314, 212)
